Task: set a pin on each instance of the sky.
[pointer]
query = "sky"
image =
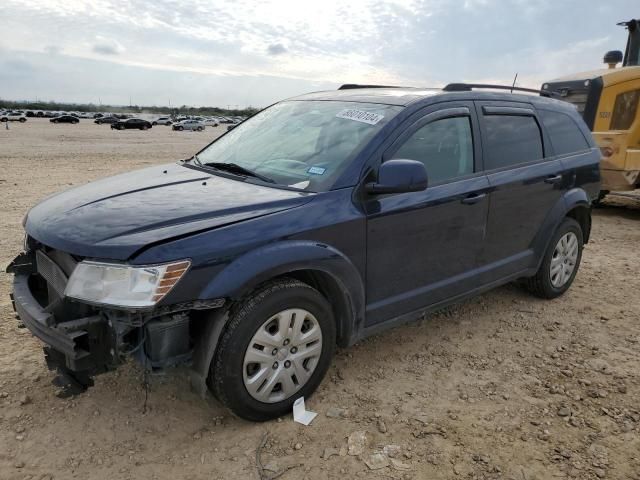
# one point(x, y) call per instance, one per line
point(239, 53)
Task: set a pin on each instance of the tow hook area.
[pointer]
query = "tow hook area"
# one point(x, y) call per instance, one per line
point(70, 383)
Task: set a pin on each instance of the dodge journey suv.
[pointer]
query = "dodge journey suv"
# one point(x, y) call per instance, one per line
point(313, 224)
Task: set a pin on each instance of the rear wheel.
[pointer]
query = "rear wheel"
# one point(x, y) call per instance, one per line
point(276, 348)
point(22, 120)
point(200, 129)
point(560, 263)
point(180, 129)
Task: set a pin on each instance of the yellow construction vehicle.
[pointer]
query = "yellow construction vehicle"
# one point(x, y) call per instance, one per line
point(608, 100)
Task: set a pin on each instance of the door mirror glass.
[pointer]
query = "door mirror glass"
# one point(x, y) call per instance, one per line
point(399, 176)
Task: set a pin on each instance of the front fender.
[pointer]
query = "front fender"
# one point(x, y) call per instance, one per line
point(257, 266)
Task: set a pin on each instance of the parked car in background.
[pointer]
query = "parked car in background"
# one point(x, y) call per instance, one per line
point(65, 119)
point(188, 125)
point(211, 122)
point(131, 123)
point(102, 120)
point(13, 117)
point(162, 121)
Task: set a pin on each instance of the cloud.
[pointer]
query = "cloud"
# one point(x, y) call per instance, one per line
point(276, 49)
point(53, 49)
point(105, 46)
point(407, 42)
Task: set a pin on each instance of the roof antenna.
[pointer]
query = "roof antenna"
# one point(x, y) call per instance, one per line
point(514, 82)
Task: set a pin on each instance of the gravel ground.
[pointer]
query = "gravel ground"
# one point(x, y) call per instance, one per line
point(502, 386)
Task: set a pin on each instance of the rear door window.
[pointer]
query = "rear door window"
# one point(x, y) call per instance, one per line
point(563, 132)
point(511, 140)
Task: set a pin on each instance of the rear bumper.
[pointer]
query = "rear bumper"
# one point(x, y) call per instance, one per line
point(83, 344)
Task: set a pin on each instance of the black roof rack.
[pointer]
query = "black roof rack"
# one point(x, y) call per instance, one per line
point(467, 87)
point(350, 86)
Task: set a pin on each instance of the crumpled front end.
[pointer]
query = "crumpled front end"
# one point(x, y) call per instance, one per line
point(83, 340)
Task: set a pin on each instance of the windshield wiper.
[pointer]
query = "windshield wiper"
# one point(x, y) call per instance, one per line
point(234, 168)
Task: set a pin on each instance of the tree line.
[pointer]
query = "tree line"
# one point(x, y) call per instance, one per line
point(92, 107)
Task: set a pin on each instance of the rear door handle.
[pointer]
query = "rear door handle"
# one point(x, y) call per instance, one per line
point(473, 198)
point(553, 179)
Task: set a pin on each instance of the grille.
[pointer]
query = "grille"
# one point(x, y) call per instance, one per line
point(51, 272)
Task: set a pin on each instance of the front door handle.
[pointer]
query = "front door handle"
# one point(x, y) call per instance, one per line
point(553, 179)
point(473, 198)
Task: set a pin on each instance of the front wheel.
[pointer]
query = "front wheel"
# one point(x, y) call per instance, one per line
point(22, 120)
point(276, 348)
point(560, 263)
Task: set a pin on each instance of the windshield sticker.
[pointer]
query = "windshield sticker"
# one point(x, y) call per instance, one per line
point(360, 116)
point(317, 170)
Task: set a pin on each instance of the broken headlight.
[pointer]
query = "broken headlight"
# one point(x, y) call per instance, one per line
point(124, 285)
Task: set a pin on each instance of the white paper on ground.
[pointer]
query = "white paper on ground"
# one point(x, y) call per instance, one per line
point(300, 413)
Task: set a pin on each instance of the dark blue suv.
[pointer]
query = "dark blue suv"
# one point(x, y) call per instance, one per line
point(315, 223)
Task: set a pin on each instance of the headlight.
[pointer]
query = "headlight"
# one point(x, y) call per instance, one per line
point(124, 285)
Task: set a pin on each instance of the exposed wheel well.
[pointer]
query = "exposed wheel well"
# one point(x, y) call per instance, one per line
point(582, 215)
point(337, 298)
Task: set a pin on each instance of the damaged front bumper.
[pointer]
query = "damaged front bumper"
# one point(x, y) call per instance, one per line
point(83, 340)
point(78, 348)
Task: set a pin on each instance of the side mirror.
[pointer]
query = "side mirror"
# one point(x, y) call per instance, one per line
point(399, 176)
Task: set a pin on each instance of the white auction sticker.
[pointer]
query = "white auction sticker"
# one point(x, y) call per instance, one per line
point(360, 116)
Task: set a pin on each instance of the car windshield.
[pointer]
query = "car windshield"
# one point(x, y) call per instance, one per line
point(300, 144)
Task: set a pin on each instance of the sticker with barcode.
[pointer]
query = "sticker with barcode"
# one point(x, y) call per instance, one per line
point(360, 116)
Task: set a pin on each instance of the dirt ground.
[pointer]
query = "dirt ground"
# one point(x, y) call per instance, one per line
point(504, 386)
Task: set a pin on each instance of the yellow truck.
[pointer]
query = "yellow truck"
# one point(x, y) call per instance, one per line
point(608, 100)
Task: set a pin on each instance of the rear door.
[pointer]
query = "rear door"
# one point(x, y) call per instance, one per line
point(526, 182)
point(423, 247)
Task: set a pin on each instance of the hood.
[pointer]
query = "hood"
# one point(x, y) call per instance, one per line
point(115, 217)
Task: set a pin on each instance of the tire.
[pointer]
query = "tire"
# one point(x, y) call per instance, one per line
point(180, 129)
point(22, 120)
point(542, 284)
point(229, 367)
point(154, 123)
point(144, 127)
point(200, 129)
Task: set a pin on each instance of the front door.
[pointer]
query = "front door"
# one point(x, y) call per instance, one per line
point(423, 247)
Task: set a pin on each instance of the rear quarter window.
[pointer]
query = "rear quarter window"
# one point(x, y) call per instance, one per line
point(564, 133)
point(511, 140)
